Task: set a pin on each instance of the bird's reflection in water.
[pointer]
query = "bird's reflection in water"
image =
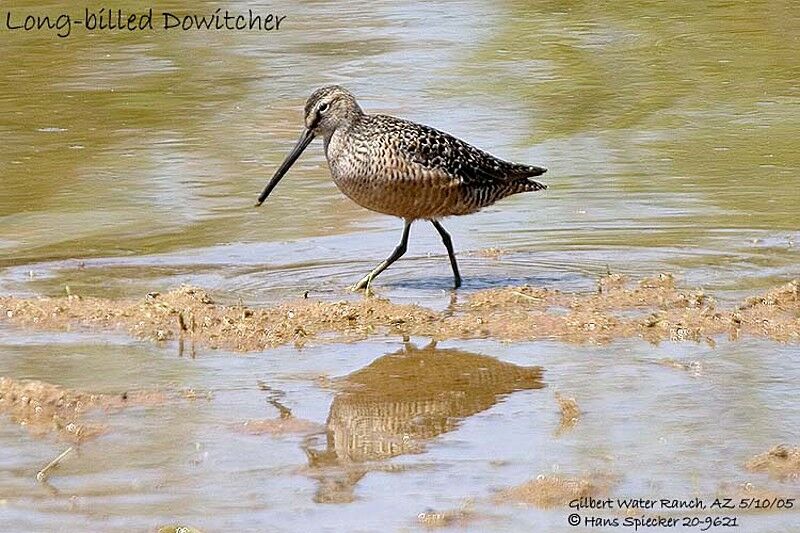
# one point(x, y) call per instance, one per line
point(398, 403)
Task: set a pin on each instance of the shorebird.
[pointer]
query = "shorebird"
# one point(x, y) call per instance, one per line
point(401, 168)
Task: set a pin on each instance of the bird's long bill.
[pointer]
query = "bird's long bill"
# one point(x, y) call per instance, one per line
point(305, 139)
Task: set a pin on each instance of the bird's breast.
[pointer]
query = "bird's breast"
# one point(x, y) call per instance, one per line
point(350, 164)
point(380, 179)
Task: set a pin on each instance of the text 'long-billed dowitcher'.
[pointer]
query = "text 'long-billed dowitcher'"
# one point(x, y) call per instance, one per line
point(402, 168)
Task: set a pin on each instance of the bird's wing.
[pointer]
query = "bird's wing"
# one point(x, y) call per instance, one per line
point(443, 154)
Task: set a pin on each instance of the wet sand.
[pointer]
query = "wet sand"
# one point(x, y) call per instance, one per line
point(781, 462)
point(549, 491)
point(47, 409)
point(399, 403)
point(654, 309)
point(570, 412)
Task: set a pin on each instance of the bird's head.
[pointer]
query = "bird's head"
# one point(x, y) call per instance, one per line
point(326, 110)
point(330, 108)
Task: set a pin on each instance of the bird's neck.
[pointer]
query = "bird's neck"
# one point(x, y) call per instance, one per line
point(343, 129)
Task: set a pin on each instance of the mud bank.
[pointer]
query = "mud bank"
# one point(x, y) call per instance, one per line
point(553, 491)
point(654, 309)
point(548, 491)
point(43, 408)
point(458, 518)
point(780, 462)
point(570, 412)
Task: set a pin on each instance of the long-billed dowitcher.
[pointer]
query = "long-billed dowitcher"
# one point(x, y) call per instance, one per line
point(401, 168)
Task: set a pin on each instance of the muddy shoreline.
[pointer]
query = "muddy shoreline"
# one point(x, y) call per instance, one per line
point(654, 309)
point(47, 409)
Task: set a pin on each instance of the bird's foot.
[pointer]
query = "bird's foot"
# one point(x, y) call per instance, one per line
point(363, 285)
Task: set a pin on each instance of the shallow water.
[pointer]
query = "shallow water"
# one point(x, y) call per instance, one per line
point(130, 163)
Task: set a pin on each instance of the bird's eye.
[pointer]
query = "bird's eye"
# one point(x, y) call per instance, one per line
point(323, 107)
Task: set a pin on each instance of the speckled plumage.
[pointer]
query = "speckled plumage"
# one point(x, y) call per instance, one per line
point(401, 168)
point(413, 171)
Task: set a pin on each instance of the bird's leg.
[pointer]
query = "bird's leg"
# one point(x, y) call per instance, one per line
point(396, 254)
point(448, 243)
point(368, 289)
